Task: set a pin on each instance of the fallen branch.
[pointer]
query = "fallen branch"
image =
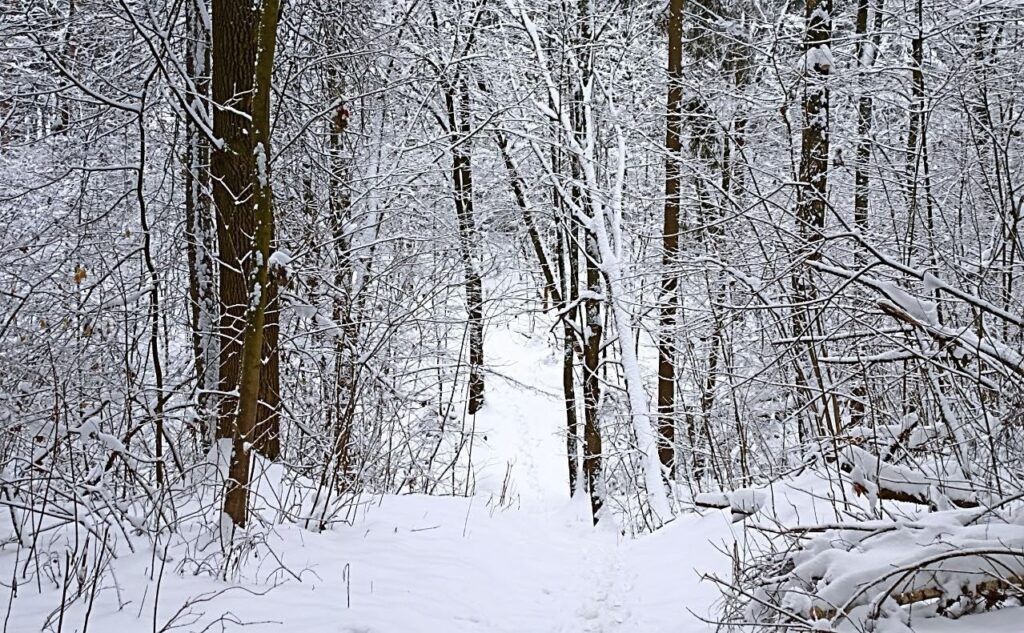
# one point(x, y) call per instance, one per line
point(987, 588)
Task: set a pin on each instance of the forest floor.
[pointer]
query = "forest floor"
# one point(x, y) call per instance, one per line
point(518, 557)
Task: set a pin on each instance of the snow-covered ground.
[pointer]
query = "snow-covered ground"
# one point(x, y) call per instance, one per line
point(528, 563)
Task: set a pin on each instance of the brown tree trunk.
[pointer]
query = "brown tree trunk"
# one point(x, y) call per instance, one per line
point(457, 105)
point(593, 323)
point(670, 242)
point(592, 335)
point(811, 195)
point(267, 434)
point(570, 346)
point(244, 38)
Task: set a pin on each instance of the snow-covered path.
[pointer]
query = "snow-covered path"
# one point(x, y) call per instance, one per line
point(520, 432)
point(518, 557)
point(413, 563)
point(538, 565)
point(417, 564)
point(615, 584)
point(533, 565)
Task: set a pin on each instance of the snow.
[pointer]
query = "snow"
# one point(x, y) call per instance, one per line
point(521, 431)
point(279, 259)
point(922, 310)
point(747, 501)
point(518, 556)
point(820, 57)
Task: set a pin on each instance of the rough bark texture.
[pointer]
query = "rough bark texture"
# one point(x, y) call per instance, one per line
point(670, 242)
point(244, 37)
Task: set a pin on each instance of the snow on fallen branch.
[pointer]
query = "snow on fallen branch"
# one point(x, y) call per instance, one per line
point(879, 479)
point(863, 571)
point(742, 503)
point(985, 572)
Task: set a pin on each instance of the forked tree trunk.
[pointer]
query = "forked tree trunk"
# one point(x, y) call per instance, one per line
point(593, 321)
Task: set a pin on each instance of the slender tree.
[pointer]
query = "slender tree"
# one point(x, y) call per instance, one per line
point(812, 199)
point(199, 224)
point(670, 241)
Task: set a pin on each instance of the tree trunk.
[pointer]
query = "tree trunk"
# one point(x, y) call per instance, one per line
point(344, 368)
point(867, 51)
point(670, 243)
point(244, 38)
point(811, 195)
point(267, 434)
point(199, 224)
point(457, 106)
point(592, 333)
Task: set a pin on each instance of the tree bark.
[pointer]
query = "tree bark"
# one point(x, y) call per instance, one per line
point(457, 106)
point(811, 195)
point(199, 224)
point(244, 38)
point(670, 243)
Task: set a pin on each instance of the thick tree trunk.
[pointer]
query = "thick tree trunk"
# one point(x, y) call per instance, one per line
point(244, 38)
